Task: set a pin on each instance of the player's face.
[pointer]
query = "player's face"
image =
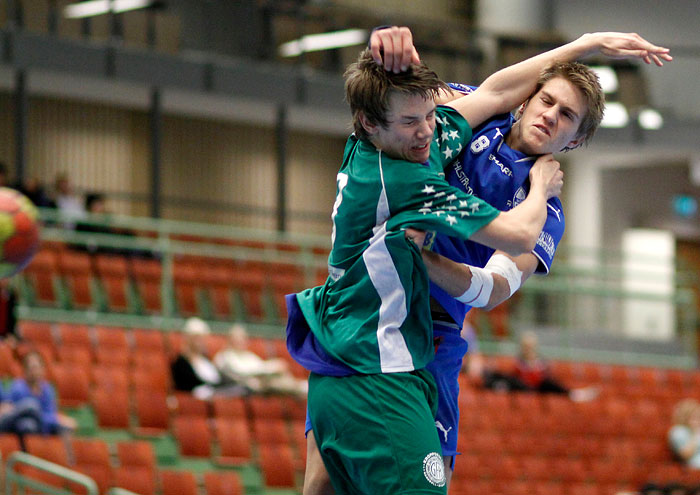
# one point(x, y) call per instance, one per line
point(411, 123)
point(551, 118)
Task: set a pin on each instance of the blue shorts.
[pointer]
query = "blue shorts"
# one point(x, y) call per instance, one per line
point(450, 349)
point(445, 368)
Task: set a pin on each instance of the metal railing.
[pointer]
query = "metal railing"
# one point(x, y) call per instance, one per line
point(579, 307)
point(15, 479)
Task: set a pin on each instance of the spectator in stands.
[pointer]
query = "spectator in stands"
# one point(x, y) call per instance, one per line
point(33, 391)
point(533, 374)
point(192, 371)
point(34, 190)
point(684, 435)
point(67, 202)
point(261, 376)
point(20, 418)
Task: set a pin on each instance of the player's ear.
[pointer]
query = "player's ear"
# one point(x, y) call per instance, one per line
point(574, 143)
point(369, 126)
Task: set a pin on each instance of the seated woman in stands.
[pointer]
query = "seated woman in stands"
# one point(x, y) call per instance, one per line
point(33, 401)
point(684, 435)
point(192, 371)
point(260, 375)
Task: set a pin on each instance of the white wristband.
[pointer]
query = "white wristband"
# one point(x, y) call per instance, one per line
point(506, 267)
point(479, 292)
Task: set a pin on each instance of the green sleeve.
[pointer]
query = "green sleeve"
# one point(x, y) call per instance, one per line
point(425, 201)
point(452, 134)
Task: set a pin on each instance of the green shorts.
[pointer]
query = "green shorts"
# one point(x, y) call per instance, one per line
point(376, 433)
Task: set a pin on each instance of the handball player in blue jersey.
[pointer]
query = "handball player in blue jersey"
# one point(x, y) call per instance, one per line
point(562, 114)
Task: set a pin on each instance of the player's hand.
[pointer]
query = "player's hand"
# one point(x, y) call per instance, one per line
point(630, 45)
point(397, 45)
point(546, 173)
point(417, 236)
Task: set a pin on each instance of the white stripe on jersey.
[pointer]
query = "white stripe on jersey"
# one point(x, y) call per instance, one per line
point(394, 355)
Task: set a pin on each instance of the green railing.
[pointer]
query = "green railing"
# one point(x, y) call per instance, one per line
point(15, 479)
point(581, 301)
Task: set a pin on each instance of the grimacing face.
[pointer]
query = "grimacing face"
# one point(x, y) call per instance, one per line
point(410, 130)
point(550, 119)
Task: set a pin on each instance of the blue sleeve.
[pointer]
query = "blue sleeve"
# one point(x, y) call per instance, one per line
point(49, 414)
point(18, 391)
point(550, 236)
point(462, 88)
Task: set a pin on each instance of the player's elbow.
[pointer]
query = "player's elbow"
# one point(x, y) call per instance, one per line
point(522, 241)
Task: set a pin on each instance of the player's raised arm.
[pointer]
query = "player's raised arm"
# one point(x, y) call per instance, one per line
point(506, 89)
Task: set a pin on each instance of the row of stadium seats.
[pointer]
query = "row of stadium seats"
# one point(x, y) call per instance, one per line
point(214, 288)
point(127, 464)
point(510, 440)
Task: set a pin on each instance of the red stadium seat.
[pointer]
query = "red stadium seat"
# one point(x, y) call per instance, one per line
point(222, 483)
point(271, 431)
point(136, 453)
point(74, 334)
point(135, 479)
point(147, 275)
point(178, 483)
point(113, 274)
point(75, 268)
point(9, 366)
point(148, 340)
point(152, 412)
point(229, 407)
point(92, 459)
point(188, 405)
point(233, 437)
point(111, 338)
point(193, 435)
point(111, 408)
point(72, 383)
point(276, 463)
point(43, 277)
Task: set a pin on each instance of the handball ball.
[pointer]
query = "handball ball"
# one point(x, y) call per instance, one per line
point(19, 231)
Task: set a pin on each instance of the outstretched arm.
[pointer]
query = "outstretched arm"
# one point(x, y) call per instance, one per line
point(509, 87)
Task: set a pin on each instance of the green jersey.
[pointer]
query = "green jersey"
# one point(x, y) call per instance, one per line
point(373, 312)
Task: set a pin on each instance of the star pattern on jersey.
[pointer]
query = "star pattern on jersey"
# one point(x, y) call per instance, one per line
point(428, 189)
point(440, 120)
point(451, 197)
point(474, 207)
point(439, 194)
point(448, 152)
point(450, 219)
point(463, 203)
point(454, 134)
point(445, 135)
point(427, 204)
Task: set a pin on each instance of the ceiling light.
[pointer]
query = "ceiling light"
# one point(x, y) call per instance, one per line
point(607, 77)
point(650, 119)
point(323, 41)
point(615, 116)
point(99, 7)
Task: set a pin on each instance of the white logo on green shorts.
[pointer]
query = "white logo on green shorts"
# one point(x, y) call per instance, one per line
point(434, 469)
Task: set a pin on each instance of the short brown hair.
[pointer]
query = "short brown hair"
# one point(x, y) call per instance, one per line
point(585, 80)
point(368, 87)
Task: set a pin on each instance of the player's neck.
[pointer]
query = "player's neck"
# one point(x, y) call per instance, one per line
point(512, 139)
